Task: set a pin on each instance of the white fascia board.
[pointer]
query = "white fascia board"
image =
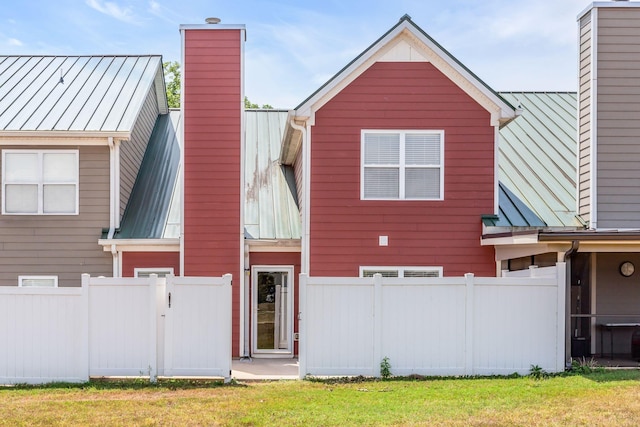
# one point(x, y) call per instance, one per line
point(607, 4)
point(504, 253)
point(57, 138)
point(518, 239)
point(293, 245)
point(141, 245)
point(212, 27)
point(161, 90)
point(499, 109)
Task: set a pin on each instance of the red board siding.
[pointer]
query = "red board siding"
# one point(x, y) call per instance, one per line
point(212, 139)
point(281, 258)
point(133, 260)
point(345, 229)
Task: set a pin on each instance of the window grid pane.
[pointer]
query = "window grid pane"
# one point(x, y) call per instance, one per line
point(381, 183)
point(383, 273)
point(381, 149)
point(21, 167)
point(21, 198)
point(422, 149)
point(43, 282)
point(418, 156)
point(421, 273)
point(422, 183)
point(59, 167)
point(59, 198)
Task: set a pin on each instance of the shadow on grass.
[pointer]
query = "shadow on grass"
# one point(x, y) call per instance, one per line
point(603, 375)
point(597, 374)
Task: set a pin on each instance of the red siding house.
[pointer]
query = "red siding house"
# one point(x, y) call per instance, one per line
point(388, 168)
point(396, 156)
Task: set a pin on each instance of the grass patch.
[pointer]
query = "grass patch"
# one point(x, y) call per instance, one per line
point(597, 398)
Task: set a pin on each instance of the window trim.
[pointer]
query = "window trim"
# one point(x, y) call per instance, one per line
point(21, 279)
point(40, 182)
point(400, 270)
point(402, 162)
point(152, 270)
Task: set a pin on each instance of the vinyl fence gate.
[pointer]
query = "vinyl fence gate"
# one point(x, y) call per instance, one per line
point(173, 327)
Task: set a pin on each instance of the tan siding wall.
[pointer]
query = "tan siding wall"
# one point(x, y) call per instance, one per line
point(66, 246)
point(618, 118)
point(584, 119)
point(132, 152)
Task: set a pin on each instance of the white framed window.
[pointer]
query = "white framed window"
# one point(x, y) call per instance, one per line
point(401, 271)
point(40, 182)
point(146, 272)
point(38, 281)
point(402, 165)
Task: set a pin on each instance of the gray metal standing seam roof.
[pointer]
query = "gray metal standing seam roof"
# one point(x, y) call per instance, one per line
point(271, 208)
point(76, 93)
point(537, 162)
point(153, 210)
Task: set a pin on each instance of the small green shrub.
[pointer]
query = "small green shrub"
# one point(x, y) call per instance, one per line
point(385, 368)
point(537, 373)
point(581, 366)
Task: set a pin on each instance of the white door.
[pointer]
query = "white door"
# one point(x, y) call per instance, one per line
point(272, 310)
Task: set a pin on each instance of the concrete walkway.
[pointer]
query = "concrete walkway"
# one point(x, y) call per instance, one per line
point(264, 369)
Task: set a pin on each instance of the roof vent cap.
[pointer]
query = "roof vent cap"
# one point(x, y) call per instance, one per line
point(212, 20)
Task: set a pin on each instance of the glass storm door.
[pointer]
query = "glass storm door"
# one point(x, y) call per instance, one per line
point(272, 311)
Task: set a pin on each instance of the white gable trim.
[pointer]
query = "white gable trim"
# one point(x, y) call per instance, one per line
point(407, 43)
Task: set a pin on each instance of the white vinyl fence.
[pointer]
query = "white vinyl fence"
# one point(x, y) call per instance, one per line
point(151, 327)
point(432, 326)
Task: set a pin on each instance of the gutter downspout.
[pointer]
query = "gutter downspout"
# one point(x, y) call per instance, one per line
point(304, 261)
point(112, 189)
point(114, 199)
point(575, 245)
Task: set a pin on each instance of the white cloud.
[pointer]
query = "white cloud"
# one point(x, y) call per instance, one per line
point(555, 22)
point(14, 42)
point(112, 9)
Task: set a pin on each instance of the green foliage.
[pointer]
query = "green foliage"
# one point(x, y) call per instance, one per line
point(610, 398)
point(385, 368)
point(172, 77)
point(582, 366)
point(248, 104)
point(537, 373)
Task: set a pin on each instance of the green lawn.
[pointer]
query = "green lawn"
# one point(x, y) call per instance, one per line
point(601, 398)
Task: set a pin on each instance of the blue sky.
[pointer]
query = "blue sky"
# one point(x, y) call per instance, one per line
point(293, 47)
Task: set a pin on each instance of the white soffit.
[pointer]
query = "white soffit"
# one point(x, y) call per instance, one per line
point(402, 51)
point(402, 44)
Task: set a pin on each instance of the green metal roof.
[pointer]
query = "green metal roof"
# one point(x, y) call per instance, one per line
point(271, 207)
point(537, 160)
point(513, 212)
point(153, 210)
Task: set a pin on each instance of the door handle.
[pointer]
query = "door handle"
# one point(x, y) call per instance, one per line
point(169, 298)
